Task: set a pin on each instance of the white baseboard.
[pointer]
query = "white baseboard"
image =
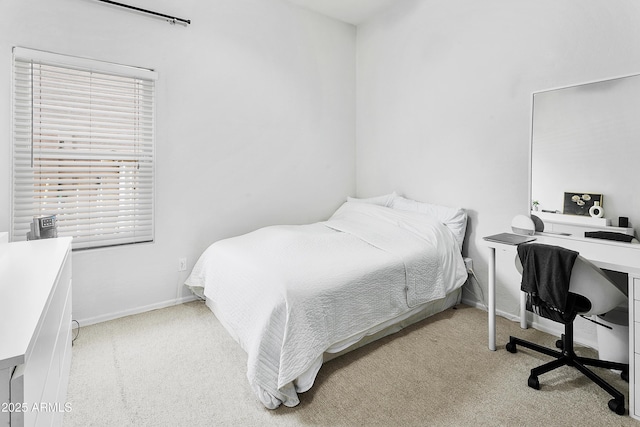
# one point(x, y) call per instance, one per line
point(560, 330)
point(137, 310)
point(535, 325)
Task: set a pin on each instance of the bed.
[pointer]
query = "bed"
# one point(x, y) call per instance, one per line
point(294, 295)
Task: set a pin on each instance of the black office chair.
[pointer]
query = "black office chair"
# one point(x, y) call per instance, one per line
point(560, 274)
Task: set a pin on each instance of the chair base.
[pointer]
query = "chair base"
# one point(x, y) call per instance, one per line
point(567, 357)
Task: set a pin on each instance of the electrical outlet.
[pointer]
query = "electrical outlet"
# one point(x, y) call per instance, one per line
point(182, 264)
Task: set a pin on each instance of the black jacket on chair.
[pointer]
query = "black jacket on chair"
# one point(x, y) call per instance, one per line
point(546, 273)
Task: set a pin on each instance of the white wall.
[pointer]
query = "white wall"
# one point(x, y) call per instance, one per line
point(256, 110)
point(444, 97)
point(255, 126)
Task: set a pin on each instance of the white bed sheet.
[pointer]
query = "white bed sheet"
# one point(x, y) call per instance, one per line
point(288, 293)
point(305, 381)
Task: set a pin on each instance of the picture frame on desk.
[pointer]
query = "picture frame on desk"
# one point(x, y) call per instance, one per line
point(577, 203)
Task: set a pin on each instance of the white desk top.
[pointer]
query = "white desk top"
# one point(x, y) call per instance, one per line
point(607, 254)
point(27, 273)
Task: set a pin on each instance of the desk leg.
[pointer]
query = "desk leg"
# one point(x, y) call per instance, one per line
point(523, 310)
point(492, 299)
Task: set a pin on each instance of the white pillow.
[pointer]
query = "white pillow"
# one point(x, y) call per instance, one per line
point(385, 200)
point(454, 218)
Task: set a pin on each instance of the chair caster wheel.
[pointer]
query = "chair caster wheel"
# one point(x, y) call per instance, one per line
point(534, 383)
point(625, 375)
point(617, 406)
point(560, 344)
point(511, 347)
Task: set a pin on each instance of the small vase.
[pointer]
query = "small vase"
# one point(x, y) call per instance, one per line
point(596, 210)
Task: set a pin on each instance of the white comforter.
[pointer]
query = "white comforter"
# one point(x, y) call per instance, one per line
point(287, 293)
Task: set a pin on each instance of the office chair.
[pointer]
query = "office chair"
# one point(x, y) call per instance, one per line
point(587, 291)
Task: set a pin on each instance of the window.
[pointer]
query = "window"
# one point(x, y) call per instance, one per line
point(83, 148)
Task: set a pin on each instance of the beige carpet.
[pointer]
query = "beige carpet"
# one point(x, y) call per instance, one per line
point(178, 367)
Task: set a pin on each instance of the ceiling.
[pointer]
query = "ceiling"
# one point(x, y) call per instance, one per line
point(350, 11)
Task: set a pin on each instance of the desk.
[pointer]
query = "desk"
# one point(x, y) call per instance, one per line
point(610, 255)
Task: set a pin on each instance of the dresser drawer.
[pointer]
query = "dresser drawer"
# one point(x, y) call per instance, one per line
point(636, 315)
point(636, 395)
point(634, 359)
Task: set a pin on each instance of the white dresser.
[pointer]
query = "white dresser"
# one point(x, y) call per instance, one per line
point(35, 331)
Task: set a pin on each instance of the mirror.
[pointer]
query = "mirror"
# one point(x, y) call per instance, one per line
point(586, 139)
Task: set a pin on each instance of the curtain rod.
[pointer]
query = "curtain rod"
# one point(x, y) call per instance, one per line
point(171, 19)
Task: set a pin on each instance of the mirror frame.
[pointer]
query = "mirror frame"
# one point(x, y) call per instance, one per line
point(531, 128)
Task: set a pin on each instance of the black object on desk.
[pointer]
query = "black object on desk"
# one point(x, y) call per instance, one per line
point(623, 221)
point(609, 235)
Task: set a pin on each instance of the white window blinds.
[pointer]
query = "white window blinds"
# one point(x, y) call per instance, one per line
point(83, 148)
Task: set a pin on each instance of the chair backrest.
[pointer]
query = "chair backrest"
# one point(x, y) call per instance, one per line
point(590, 281)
